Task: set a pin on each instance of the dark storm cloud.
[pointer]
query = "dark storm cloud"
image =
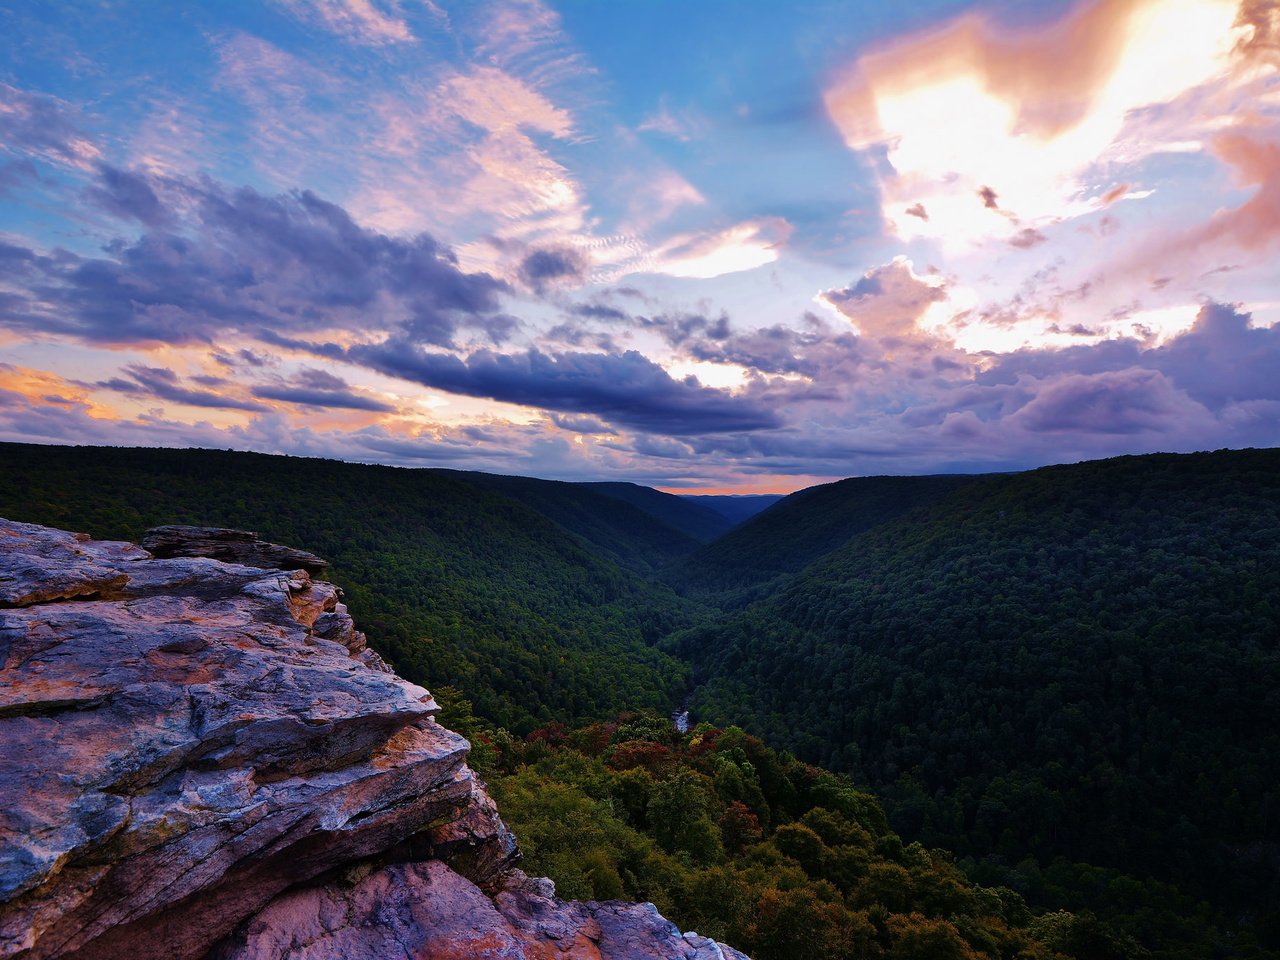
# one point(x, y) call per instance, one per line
point(627, 389)
point(266, 265)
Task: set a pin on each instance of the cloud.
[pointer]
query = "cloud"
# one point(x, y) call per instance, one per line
point(994, 129)
point(626, 389)
point(889, 301)
point(1254, 156)
point(783, 350)
point(1027, 238)
point(318, 388)
point(37, 125)
point(683, 125)
point(269, 266)
point(745, 246)
point(358, 21)
point(164, 384)
point(127, 195)
point(1221, 361)
point(461, 153)
point(548, 265)
point(1120, 402)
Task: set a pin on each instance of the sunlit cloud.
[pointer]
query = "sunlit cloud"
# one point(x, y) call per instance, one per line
point(742, 247)
point(463, 152)
point(989, 132)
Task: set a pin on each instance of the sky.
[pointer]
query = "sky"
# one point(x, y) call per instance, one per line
point(713, 246)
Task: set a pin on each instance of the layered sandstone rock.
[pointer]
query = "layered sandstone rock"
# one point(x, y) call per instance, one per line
point(233, 546)
point(204, 756)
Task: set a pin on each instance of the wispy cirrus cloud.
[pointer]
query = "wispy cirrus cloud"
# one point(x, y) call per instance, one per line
point(358, 21)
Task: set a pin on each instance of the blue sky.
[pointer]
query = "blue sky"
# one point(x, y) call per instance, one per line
point(706, 246)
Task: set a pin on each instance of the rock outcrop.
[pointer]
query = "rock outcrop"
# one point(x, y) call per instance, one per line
point(202, 758)
point(233, 546)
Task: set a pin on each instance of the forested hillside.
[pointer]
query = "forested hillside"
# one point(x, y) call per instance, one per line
point(453, 583)
point(752, 847)
point(618, 530)
point(1077, 663)
point(798, 530)
point(1069, 678)
point(686, 514)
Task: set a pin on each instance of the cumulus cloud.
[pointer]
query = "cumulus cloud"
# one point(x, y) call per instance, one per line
point(889, 301)
point(1120, 402)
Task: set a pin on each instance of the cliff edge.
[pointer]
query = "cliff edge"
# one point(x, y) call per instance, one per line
point(202, 758)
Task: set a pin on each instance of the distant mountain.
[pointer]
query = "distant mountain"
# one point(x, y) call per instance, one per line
point(633, 537)
point(533, 614)
point(802, 527)
point(735, 507)
point(700, 521)
point(1074, 664)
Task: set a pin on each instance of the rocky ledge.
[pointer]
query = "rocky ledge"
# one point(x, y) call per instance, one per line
point(202, 758)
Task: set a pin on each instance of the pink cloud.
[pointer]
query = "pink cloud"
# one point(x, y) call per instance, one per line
point(359, 21)
point(976, 110)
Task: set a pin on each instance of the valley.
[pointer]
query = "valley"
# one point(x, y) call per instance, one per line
point(1065, 678)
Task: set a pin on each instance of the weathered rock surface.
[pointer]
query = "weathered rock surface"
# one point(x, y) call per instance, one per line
point(233, 546)
point(429, 912)
point(195, 753)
